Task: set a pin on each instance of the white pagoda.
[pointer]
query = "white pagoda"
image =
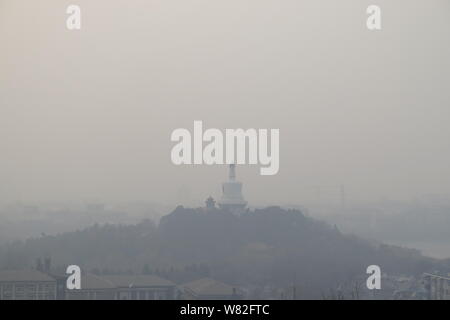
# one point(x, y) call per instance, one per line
point(232, 199)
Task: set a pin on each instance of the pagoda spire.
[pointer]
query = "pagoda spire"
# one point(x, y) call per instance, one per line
point(232, 173)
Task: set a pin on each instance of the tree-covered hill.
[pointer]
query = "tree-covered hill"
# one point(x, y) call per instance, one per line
point(263, 247)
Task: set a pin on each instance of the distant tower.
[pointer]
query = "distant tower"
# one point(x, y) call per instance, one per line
point(232, 199)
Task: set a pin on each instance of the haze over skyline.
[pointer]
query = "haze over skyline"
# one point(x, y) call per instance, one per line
point(88, 114)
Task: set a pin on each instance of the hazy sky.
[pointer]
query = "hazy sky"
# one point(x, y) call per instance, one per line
point(88, 114)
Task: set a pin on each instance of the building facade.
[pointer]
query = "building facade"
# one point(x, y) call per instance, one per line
point(36, 285)
point(438, 286)
point(27, 285)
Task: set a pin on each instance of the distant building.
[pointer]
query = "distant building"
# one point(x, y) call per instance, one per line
point(209, 289)
point(438, 286)
point(27, 285)
point(232, 198)
point(36, 285)
point(61, 284)
point(142, 287)
point(123, 287)
point(92, 288)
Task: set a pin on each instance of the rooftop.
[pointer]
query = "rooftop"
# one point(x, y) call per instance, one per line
point(209, 287)
point(90, 281)
point(24, 276)
point(126, 281)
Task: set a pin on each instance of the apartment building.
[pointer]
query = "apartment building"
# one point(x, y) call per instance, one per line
point(27, 285)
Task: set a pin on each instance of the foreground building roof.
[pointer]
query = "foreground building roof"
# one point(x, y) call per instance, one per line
point(24, 276)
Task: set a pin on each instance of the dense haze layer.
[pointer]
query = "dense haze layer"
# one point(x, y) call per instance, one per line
point(88, 114)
